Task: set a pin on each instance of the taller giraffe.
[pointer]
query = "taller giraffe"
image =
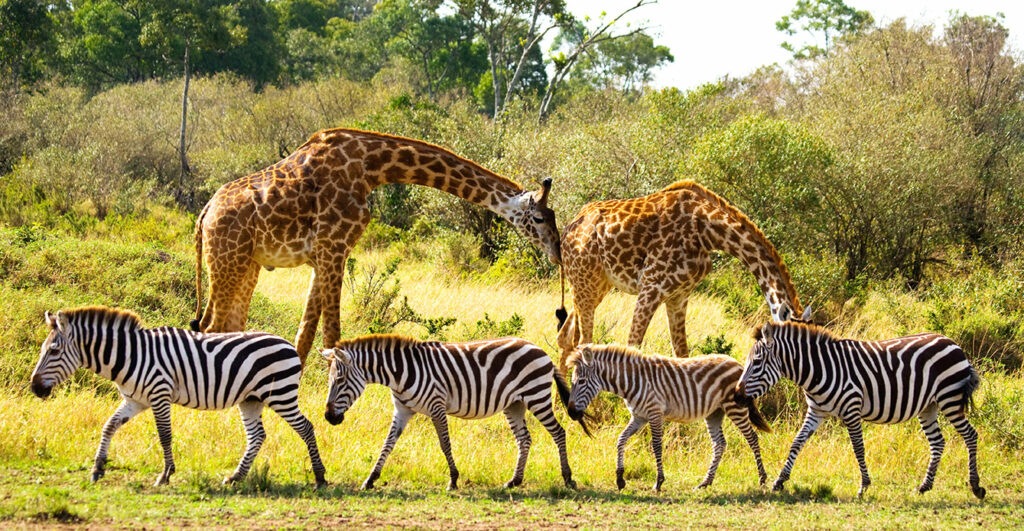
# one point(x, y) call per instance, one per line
point(311, 208)
point(657, 247)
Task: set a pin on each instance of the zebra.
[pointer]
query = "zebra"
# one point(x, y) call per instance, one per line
point(659, 388)
point(882, 382)
point(471, 380)
point(157, 367)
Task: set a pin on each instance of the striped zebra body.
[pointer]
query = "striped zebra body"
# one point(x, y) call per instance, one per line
point(658, 389)
point(471, 380)
point(883, 382)
point(154, 368)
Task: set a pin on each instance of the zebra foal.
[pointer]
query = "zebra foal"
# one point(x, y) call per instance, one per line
point(471, 380)
point(882, 382)
point(658, 388)
point(154, 368)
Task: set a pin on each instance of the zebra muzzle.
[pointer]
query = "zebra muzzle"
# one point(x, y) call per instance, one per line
point(575, 413)
point(40, 389)
point(333, 416)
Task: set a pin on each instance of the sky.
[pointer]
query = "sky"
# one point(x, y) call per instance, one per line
point(714, 38)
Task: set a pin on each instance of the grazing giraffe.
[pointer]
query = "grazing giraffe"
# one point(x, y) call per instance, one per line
point(311, 208)
point(658, 247)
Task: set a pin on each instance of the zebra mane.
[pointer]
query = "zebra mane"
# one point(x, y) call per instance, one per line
point(812, 329)
point(376, 340)
point(619, 352)
point(104, 315)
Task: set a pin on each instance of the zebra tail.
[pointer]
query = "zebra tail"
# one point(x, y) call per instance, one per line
point(563, 395)
point(969, 387)
point(755, 414)
point(194, 325)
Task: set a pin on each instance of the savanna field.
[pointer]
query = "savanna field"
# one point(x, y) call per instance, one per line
point(885, 168)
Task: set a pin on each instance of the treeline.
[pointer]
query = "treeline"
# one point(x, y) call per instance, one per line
point(487, 50)
point(895, 157)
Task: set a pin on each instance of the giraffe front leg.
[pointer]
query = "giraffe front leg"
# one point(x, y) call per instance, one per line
point(162, 416)
point(128, 409)
point(310, 317)
point(675, 308)
point(646, 304)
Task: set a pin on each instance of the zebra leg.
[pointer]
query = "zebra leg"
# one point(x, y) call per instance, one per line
point(635, 423)
point(855, 427)
point(440, 418)
point(936, 443)
point(714, 422)
point(741, 418)
point(290, 412)
point(516, 415)
point(546, 416)
point(398, 422)
point(251, 412)
point(128, 409)
point(656, 432)
point(162, 416)
point(955, 414)
point(811, 422)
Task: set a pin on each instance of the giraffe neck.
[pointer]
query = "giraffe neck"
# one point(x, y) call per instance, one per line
point(724, 228)
point(393, 160)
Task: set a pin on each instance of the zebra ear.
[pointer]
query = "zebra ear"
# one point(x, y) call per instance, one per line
point(785, 312)
point(50, 321)
point(61, 321)
point(766, 332)
point(342, 357)
point(327, 353)
point(807, 313)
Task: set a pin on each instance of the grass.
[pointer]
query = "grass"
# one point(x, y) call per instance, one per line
point(46, 450)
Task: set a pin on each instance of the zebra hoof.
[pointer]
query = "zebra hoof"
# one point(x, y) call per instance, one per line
point(513, 483)
point(367, 485)
point(979, 492)
point(570, 484)
point(453, 485)
point(704, 485)
point(321, 484)
point(925, 487)
point(96, 475)
point(777, 486)
point(620, 483)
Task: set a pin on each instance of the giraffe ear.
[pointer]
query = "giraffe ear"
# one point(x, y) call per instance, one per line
point(545, 189)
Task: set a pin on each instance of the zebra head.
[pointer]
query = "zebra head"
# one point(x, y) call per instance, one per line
point(59, 356)
point(345, 383)
point(586, 383)
point(764, 366)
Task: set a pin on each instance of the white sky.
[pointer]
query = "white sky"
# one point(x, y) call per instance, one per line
point(714, 38)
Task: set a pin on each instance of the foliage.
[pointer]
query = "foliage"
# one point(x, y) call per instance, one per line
point(377, 304)
point(833, 18)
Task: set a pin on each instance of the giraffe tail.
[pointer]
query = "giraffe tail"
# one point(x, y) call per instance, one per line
point(194, 325)
point(563, 395)
point(560, 313)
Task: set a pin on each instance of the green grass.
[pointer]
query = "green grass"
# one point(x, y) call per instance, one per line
point(47, 446)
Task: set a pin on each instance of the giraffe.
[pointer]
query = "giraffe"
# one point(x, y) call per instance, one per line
point(311, 207)
point(658, 248)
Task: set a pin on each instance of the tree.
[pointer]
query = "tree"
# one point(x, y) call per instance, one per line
point(581, 40)
point(511, 31)
point(26, 40)
point(832, 18)
point(625, 63)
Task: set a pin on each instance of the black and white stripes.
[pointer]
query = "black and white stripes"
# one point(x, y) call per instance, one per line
point(658, 389)
point(154, 368)
point(471, 380)
point(882, 382)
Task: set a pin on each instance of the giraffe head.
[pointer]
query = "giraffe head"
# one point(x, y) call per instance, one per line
point(529, 213)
